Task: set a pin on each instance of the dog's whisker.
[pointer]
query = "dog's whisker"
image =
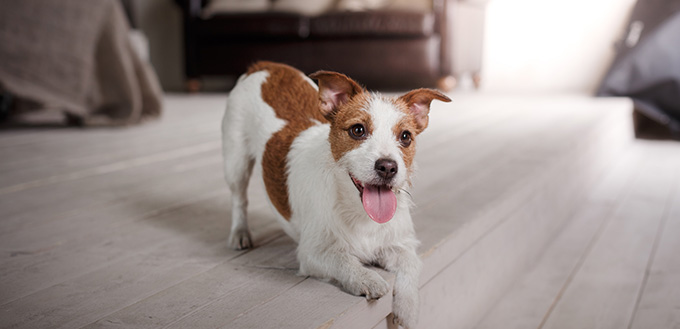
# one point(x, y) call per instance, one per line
point(407, 192)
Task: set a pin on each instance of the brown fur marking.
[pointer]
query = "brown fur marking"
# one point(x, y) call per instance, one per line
point(418, 101)
point(347, 116)
point(295, 101)
point(415, 122)
point(408, 123)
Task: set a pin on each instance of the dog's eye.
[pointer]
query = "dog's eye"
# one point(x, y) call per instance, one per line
point(357, 131)
point(405, 138)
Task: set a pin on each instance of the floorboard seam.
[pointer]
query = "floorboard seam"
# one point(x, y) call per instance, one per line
point(589, 248)
point(152, 213)
point(657, 240)
point(112, 167)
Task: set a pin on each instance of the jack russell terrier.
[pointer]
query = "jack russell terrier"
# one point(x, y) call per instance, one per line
point(336, 161)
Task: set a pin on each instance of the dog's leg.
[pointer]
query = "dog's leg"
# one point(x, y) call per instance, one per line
point(237, 169)
point(335, 264)
point(406, 265)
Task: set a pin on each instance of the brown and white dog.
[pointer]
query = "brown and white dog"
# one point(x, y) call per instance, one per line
point(336, 162)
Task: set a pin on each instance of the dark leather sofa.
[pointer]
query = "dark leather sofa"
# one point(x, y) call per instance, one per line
point(380, 49)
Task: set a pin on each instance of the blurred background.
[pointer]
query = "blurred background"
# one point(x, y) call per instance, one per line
point(522, 45)
point(494, 46)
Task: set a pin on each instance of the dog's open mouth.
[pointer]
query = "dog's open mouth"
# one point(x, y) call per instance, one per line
point(379, 201)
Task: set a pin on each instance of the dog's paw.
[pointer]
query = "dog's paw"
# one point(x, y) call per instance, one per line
point(405, 309)
point(369, 284)
point(240, 240)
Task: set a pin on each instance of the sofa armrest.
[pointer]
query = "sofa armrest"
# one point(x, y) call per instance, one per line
point(443, 24)
point(460, 23)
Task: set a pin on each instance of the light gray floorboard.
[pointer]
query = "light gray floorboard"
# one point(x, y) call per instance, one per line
point(205, 313)
point(530, 299)
point(659, 304)
point(604, 291)
point(128, 228)
point(56, 158)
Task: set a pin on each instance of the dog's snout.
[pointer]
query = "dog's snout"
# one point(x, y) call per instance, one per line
point(386, 168)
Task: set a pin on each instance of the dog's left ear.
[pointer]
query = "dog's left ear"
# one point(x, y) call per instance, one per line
point(335, 89)
point(418, 102)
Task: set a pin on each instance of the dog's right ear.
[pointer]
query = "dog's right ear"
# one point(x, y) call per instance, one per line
point(335, 89)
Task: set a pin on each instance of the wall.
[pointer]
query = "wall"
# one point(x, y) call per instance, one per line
point(550, 45)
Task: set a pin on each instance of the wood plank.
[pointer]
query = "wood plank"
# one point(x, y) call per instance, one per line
point(659, 305)
point(487, 201)
point(160, 265)
point(96, 207)
point(66, 150)
point(56, 164)
point(318, 305)
point(495, 148)
point(24, 182)
point(84, 247)
point(50, 255)
point(142, 244)
point(296, 289)
point(479, 275)
point(65, 200)
point(525, 305)
point(210, 308)
point(82, 192)
point(178, 111)
point(223, 292)
point(530, 299)
point(274, 305)
point(481, 271)
point(25, 274)
point(603, 292)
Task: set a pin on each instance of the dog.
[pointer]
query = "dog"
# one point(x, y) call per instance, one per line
point(336, 162)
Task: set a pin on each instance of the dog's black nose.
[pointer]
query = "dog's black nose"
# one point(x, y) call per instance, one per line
point(386, 168)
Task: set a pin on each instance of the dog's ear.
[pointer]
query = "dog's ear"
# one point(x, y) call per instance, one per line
point(418, 103)
point(335, 89)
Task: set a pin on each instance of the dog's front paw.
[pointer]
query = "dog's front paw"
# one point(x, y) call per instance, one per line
point(405, 309)
point(369, 284)
point(240, 240)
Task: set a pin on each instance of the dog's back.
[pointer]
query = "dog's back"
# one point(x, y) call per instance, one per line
point(269, 97)
point(269, 106)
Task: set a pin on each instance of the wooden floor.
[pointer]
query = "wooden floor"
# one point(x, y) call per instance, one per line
point(127, 228)
point(616, 264)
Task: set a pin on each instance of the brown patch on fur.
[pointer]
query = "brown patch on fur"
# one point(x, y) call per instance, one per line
point(418, 104)
point(347, 116)
point(335, 89)
point(295, 101)
point(408, 123)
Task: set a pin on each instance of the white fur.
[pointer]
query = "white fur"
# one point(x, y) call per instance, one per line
point(247, 125)
point(335, 236)
point(382, 143)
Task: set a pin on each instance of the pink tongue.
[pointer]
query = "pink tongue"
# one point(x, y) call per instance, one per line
point(379, 202)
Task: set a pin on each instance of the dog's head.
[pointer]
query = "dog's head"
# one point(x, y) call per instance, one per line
point(373, 137)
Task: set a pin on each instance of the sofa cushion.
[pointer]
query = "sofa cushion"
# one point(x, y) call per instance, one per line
point(360, 5)
point(235, 6)
point(246, 25)
point(337, 24)
point(303, 7)
point(372, 23)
